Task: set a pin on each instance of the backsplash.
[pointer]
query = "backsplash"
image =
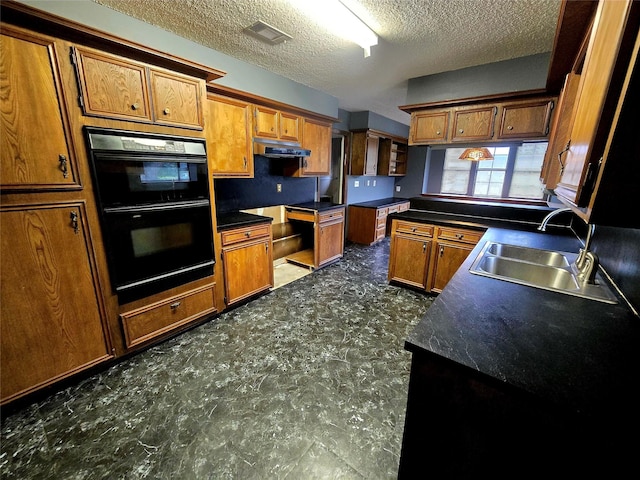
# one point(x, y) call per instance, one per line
point(233, 194)
point(618, 250)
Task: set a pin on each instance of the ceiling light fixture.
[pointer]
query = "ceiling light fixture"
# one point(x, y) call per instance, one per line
point(339, 19)
point(267, 33)
point(476, 154)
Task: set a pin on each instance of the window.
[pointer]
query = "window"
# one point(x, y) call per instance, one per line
point(514, 173)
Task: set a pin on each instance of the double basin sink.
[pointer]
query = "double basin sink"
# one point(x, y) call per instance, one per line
point(545, 269)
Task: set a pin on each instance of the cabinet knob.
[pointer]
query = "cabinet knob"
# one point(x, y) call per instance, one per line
point(63, 165)
point(510, 127)
point(413, 229)
point(135, 106)
point(461, 131)
point(438, 132)
point(424, 247)
point(459, 236)
point(247, 234)
point(175, 305)
point(167, 111)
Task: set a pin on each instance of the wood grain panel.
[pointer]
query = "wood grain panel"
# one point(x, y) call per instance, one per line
point(177, 100)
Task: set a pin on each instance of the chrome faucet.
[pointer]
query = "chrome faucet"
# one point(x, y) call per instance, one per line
point(543, 225)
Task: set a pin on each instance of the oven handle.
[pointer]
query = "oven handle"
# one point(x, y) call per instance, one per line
point(157, 207)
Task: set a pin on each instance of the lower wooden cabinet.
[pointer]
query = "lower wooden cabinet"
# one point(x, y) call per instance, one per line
point(368, 225)
point(52, 319)
point(426, 256)
point(329, 237)
point(247, 257)
point(153, 320)
point(451, 250)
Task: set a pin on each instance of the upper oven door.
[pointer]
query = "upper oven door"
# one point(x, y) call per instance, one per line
point(141, 180)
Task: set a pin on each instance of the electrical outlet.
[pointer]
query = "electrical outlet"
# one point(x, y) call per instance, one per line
point(368, 183)
point(374, 183)
point(397, 188)
point(278, 187)
point(356, 183)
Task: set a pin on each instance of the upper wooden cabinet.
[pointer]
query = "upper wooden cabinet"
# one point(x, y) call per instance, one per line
point(272, 123)
point(378, 153)
point(525, 120)
point(35, 144)
point(228, 134)
point(364, 153)
point(480, 120)
point(392, 158)
point(429, 127)
point(116, 87)
point(606, 62)
point(473, 123)
point(316, 136)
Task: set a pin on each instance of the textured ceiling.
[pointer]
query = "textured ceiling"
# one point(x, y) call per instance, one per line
point(416, 38)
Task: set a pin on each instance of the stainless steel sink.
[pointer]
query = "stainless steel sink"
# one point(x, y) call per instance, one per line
point(545, 269)
point(533, 255)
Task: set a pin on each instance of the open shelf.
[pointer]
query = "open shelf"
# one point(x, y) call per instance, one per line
point(303, 257)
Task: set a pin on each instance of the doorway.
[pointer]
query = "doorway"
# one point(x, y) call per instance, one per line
point(333, 187)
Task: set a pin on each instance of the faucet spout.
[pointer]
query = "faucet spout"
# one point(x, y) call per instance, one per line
point(543, 225)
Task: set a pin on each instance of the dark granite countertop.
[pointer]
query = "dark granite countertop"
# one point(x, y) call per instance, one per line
point(383, 202)
point(316, 206)
point(575, 353)
point(230, 220)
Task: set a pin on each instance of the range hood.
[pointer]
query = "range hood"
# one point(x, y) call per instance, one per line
point(278, 149)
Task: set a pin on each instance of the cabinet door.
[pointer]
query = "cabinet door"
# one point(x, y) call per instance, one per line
point(409, 260)
point(448, 258)
point(177, 100)
point(317, 138)
point(265, 121)
point(112, 86)
point(289, 127)
point(329, 242)
point(428, 127)
point(51, 313)
point(526, 120)
point(371, 158)
point(248, 269)
point(593, 112)
point(470, 124)
point(560, 131)
point(34, 139)
point(228, 132)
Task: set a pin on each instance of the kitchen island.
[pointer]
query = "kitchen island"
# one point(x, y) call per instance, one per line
point(515, 381)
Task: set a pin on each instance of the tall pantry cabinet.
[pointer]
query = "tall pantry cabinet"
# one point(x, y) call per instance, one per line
point(46, 248)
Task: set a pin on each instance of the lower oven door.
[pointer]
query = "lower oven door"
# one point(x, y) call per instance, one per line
point(154, 248)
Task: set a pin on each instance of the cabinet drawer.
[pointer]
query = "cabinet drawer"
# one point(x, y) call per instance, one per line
point(332, 215)
point(381, 233)
point(303, 216)
point(381, 212)
point(247, 233)
point(415, 228)
point(457, 235)
point(157, 318)
point(381, 223)
point(393, 209)
point(403, 207)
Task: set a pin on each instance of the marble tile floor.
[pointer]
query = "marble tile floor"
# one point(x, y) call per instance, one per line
point(306, 382)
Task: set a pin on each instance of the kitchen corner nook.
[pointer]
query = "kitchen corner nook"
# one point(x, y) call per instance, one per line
point(219, 273)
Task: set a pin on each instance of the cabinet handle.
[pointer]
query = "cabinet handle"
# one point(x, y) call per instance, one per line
point(566, 149)
point(245, 162)
point(266, 247)
point(175, 305)
point(135, 106)
point(63, 165)
point(424, 247)
point(247, 234)
point(413, 229)
point(74, 221)
point(304, 163)
point(510, 127)
point(441, 251)
point(167, 111)
point(459, 236)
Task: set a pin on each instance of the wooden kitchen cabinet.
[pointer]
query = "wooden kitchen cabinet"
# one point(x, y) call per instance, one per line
point(429, 127)
point(410, 253)
point(525, 120)
point(329, 236)
point(33, 109)
point(52, 317)
point(247, 257)
point(118, 88)
point(471, 124)
point(289, 127)
point(228, 134)
point(364, 153)
point(483, 119)
point(426, 256)
point(606, 62)
point(368, 225)
point(265, 122)
point(392, 158)
point(316, 136)
point(452, 248)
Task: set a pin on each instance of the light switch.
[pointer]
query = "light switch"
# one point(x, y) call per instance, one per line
point(278, 187)
point(397, 188)
point(374, 183)
point(368, 183)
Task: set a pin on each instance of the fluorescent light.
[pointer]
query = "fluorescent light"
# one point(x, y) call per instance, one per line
point(338, 19)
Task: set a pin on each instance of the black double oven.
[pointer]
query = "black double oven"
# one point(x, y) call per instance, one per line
point(153, 196)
